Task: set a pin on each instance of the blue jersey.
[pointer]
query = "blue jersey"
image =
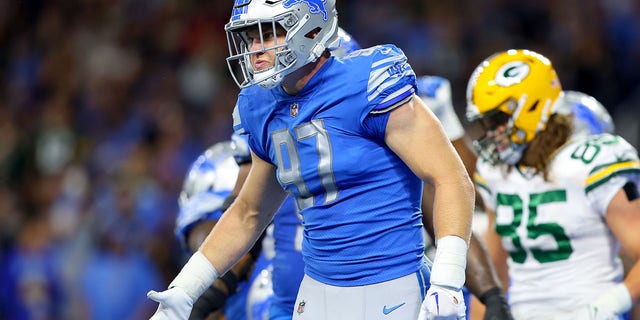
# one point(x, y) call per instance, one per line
point(287, 263)
point(235, 308)
point(288, 266)
point(359, 202)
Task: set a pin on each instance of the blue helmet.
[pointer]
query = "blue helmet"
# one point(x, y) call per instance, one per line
point(240, 147)
point(589, 115)
point(207, 184)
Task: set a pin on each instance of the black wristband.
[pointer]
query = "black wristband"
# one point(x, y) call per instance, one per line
point(242, 161)
point(496, 307)
point(211, 300)
point(231, 281)
point(631, 190)
point(489, 294)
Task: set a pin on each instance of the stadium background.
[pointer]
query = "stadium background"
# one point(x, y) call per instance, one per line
point(104, 103)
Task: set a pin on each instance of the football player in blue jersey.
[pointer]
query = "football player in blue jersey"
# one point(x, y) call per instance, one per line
point(280, 282)
point(288, 264)
point(207, 184)
point(350, 141)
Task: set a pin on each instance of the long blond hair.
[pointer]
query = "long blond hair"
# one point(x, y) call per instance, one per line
point(540, 151)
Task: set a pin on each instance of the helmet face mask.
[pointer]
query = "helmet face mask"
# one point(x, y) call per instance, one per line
point(310, 27)
point(522, 85)
point(494, 144)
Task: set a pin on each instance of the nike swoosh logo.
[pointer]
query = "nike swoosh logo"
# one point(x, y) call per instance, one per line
point(386, 310)
point(435, 295)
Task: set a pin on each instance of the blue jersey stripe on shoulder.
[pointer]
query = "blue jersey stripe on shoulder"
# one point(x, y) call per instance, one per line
point(387, 82)
point(393, 100)
point(381, 71)
point(387, 61)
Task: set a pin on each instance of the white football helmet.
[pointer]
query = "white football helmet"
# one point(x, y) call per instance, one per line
point(589, 115)
point(207, 184)
point(298, 18)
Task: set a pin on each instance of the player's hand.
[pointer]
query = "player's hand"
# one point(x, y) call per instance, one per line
point(588, 312)
point(175, 304)
point(496, 307)
point(608, 306)
point(592, 312)
point(442, 303)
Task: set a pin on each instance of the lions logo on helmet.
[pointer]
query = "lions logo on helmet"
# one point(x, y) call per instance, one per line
point(208, 182)
point(297, 18)
point(516, 90)
point(589, 115)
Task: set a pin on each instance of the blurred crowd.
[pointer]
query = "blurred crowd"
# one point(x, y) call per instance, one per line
point(104, 104)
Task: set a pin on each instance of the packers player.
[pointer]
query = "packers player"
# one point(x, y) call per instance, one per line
point(561, 204)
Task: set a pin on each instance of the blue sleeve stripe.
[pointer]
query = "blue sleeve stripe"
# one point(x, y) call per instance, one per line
point(379, 69)
point(390, 60)
point(376, 79)
point(394, 100)
point(386, 82)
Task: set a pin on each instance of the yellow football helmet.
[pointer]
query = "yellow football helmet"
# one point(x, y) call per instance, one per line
point(515, 90)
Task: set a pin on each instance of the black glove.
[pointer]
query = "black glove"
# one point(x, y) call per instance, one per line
point(496, 305)
point(213, 299)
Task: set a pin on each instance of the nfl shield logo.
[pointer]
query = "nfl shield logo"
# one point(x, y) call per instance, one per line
point(293, 110)
point(301, 307)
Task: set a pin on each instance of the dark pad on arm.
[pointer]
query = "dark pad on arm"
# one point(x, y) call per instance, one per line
point(631, 190)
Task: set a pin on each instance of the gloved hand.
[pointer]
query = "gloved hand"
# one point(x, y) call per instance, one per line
point(444, 298)
point(193, 280)
point(175, 304)
point(442, 303)
point(496, 307)
point(608, 306)
point(588, 312)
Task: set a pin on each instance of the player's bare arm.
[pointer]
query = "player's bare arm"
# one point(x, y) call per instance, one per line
point(623, 217)
point(415, 134)
point(246, 218)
